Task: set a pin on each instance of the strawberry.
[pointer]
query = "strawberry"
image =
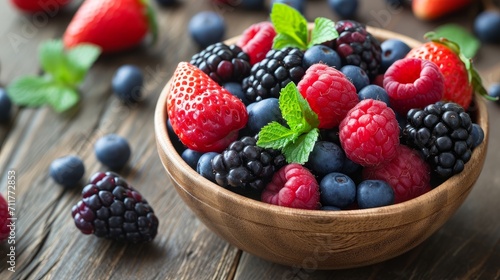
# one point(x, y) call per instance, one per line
point(432, 9)
point(33, 6)
point(460, 77)
point(205, 116)
point(113, 25)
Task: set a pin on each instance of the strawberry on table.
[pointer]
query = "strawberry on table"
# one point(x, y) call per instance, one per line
point(112, 25)
point(205, 116)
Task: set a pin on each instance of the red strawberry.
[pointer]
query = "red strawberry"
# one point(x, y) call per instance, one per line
point(204, 115)
point(257, 40)
point(113, 25)
point(460, 77)
point(432, 9)
point(329, 93)
point(33, 6)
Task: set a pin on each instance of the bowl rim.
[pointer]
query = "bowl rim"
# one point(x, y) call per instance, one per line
point(453, 184)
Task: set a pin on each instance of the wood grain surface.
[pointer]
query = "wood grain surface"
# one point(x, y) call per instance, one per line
point(48, 245)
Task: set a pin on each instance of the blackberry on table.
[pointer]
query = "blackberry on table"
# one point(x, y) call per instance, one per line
point(273, 73)
point(244, 166)
point(442, 132)
point(356, 46)
point(223, 63)
point(113, 209)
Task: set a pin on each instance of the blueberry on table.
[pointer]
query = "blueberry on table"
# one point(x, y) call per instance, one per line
point(167, 3)
point(207, 28)
point(322, 54)
point(127, 83)
point(5, 106)
point(487, 26)
point(337, 190)
point(346, 9)
point(374, 193)
point(494, 91)
point(113, 151)
point(392, 50)
point(67, 171)
point(356, 75)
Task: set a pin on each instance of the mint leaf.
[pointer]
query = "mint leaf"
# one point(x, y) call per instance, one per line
point(275, 136)
point(291, 23)
point(296, 110)
point(61, 97)
point(52, 57)
point(284, 41)
point(299, 150)
point(28, 91)
point(323, 31)
point(467, 42)
point(80, 59)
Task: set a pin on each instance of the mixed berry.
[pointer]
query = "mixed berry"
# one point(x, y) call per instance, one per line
point(330, 119)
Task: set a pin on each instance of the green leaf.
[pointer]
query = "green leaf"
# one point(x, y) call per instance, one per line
point(284, 41)
point(275, 136)
point(299, 150)
point(290, 22)
point(468, 43)
point(52, 57)
point(28, 91)
point(296, 110)
point(80, 59)
point(61, 97)
point(323, 31)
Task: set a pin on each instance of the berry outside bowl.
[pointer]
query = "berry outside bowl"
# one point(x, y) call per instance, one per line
point(321, 239)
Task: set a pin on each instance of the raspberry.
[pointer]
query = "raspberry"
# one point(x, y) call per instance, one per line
point(369, 134)
point(293, 186)
point(4, 216)
point(223, 63)
point(257, 40)
point(358, 47)
point(246, 166)
point(273, 73)
point(413, 83)
point(442, 132)
point(113, 209)
point(408, 174)
point(329, 93)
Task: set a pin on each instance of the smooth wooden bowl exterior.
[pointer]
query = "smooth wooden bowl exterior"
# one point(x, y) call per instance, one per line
point(319, 239)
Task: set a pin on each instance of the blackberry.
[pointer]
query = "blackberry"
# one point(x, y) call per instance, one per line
point(442, 132)
point(273, 73)
point(223, 63)
point(244, 166)
point(113, 209)
point(358, 47)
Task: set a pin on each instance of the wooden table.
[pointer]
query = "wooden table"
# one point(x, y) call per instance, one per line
point(48, 245)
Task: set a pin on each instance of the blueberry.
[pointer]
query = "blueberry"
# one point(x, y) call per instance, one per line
point(167, 3)
point(67, 171)
point(326, 157)
point(395, 4)
point(337, 190)
point(374, 193)
point(486, 26)
point(191, 157)
point(261, 113)
point(113, 151)
point(374, 92)
point(321, 54)
point(346, 9)
point(252, 4)
point(330, 208)
point(207, 28)
point(493, 91)
point(5, 106)
point(392, 50)
point(127, 83)
point(236, 89)
point(477, 135)
point(204, 166)
point(356, 75)
point(298, 5)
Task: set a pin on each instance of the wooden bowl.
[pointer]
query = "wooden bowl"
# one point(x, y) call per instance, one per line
point(313, 238)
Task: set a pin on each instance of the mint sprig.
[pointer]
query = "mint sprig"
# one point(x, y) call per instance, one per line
point(64, 70)
point(292, 30)
point(297, 140)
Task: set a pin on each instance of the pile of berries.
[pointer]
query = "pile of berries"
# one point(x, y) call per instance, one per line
point(344, 123)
